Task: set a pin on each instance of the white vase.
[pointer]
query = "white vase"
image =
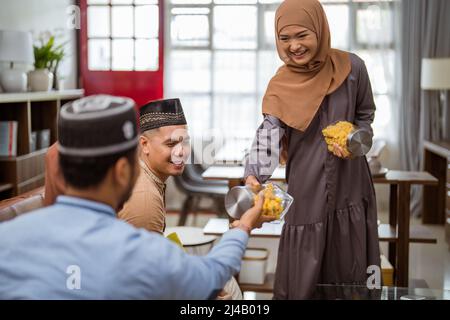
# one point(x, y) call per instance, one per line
point(13, 80)
point(40, 80)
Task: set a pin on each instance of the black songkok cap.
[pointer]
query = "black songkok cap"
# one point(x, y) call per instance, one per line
point(98, 125)
point(161, 113)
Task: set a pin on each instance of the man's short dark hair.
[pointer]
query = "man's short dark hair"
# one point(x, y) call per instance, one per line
point(85, 172)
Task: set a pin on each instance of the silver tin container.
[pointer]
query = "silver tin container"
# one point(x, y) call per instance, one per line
point(359, 142)
point(238, 200)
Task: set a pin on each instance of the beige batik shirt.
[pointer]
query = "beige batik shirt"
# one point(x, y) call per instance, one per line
point(146, 206)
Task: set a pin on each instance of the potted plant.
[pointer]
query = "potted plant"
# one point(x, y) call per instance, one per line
point(59, 55)
point(47, 57)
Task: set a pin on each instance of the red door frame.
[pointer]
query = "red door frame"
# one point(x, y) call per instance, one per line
point(142, 86)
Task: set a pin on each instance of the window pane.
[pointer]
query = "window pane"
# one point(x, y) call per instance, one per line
point(338, 19)
point(98, 2)
point(372, 0)
point(269, 1)
point(241, 33)
point(269, 28)
point(191, 1)
point(146, 1)
point(122, 54)
point(195, 10)
point(147, 21)
point(234, 72)
point(328, 1)
point(235, 1)
point(269, 62)
point(99, 54)
point(191, 71)
point(383, 111)
point(235, 114)
point(98, 21)
point(190, 30)
point(122, 21)
point(380, 66)
point(147, 55)
point(239, 78)
point(197, 109)
point(121, 1)
point(372, 23)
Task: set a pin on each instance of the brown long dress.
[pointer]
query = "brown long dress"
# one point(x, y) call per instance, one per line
point(330, 232)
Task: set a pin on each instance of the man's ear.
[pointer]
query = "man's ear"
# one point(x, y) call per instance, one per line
point(122, 172)
point(144, 144)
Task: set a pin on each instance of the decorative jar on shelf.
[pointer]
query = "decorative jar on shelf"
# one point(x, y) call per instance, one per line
point(40, 80)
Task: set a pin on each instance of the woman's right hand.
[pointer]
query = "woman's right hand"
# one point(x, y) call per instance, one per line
point(253, 184)
point(340, 152)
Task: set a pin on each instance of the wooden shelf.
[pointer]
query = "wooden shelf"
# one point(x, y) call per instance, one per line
point(25, 156)
point(417, 234)
point(447, 231)
point(24, 172)
point(34, 112)
point(41, 96)
point(5, 186)
point(266, 287)
point(436, 200)
point(441, 148)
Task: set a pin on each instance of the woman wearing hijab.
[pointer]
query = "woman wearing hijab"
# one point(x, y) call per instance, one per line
point(330, 232)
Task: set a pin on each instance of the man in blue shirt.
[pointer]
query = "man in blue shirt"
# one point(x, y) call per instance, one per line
point(78, 249)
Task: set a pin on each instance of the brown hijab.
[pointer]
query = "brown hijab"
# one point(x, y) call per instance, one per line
point(295, 93)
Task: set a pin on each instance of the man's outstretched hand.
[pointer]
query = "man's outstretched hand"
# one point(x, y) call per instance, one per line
point(253, 218)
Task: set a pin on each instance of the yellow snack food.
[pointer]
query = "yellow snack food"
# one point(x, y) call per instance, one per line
point(338, 134)
point(175, 238)
point(272, 204)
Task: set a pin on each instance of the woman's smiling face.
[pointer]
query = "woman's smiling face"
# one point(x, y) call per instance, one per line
point(299, 44)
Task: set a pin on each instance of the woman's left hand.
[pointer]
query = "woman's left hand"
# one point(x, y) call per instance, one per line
point(340, 152)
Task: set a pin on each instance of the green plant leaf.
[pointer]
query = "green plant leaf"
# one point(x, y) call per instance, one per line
point(47, 55)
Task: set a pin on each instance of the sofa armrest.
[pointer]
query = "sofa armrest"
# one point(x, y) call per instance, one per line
point(11, 208)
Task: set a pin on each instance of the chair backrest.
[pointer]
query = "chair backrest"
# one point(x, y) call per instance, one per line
point(183, 181)
point(191, 181)
point(193, 172)
point(21, 207)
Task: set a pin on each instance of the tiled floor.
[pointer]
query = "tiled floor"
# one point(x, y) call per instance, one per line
point(429, 262)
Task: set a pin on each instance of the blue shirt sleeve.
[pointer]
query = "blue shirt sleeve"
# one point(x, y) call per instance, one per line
point(163, 271)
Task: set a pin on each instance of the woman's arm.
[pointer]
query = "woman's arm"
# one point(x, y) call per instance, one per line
point(364, 110)
point(365, 106)
point(264, 156)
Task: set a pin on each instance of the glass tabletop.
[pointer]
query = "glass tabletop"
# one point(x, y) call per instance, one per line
point(359, 292)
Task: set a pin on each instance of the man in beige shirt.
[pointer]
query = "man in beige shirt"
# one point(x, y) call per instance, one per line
point(146, 207)
point(164, 149)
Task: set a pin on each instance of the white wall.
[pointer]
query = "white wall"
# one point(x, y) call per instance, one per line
point(42, 15)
